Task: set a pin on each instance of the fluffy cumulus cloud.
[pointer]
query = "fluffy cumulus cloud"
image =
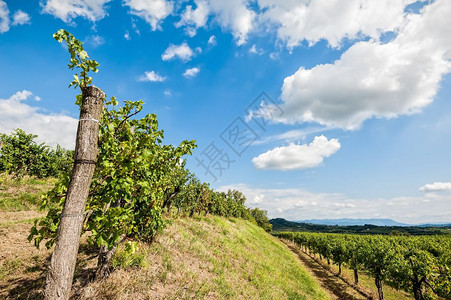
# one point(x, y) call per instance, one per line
point(331, 20)
point(152, 76)
point(300, 204)
point(4, 17)
point(152, 11)
point(15, 112)
point(436, 187)
point(67, 10)
point(20, 18)
point(294, 156)
point(192, 72)
point(233, 15)
point(183, 52)
point(194, 18)
point(375, 79)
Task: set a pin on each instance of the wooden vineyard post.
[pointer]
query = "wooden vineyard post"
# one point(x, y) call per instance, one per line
point(62, 265)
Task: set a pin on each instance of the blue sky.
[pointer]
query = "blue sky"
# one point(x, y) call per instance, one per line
point(354, 121)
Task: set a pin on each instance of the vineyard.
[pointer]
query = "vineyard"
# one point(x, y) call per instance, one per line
point(122, 187)
point(121, 184)
point(420, 264)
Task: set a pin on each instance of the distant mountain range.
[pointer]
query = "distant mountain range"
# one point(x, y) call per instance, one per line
point(353, 222)
point(361, 222)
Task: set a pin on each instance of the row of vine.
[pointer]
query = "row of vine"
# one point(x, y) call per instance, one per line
point(418, 264)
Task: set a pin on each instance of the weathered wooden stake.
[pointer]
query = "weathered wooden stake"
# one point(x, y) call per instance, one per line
point(62, 265)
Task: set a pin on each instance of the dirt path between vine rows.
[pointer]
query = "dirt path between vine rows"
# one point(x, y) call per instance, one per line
point(331, 283)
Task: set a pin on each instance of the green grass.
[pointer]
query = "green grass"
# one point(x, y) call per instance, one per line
point(24, 194)
point(193, 258)
point(8, 224)
point(212, 257)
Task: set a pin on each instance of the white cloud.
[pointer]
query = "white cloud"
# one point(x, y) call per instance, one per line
point(152, 11)
point(294, 157)
point(194, 18)
point(332, 20)
point(255, 50)
point(167, 93)
point(4, 17)
point(190, 73)
point(14, 113)
point(135, 27)
point(373, 79)
point(20, 18)
point(127, 35)
point(183, 52)
point(95, 40)
point(67, 10)
point(299, 204)
point(152, 76)
point(274, 55)
point(234, 15)
point(212, 40)
point(436, 187)
point(20, 95)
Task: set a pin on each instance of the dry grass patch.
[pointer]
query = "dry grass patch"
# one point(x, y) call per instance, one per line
point(22, 266)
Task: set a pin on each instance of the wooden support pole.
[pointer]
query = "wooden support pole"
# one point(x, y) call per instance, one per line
point(62, 265)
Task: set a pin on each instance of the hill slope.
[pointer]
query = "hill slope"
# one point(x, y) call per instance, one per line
point(201, 258)
point(213, 258)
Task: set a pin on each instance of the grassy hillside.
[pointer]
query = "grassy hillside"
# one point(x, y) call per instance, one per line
point(213, 258)
point(197, 258)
